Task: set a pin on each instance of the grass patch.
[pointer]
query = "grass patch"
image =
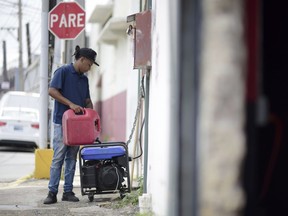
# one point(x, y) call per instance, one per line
point(130, 198)
point(145, 214)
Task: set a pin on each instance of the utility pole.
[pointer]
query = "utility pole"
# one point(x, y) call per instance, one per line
point(19, 84)
point(6, 82)
point(5, 77)
point(28, 43)
point(5, 85)
point(44, 76)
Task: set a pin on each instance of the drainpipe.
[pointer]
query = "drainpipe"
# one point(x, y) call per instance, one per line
point(147, 89)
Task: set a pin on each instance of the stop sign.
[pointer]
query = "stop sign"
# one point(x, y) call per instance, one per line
point(66, 20)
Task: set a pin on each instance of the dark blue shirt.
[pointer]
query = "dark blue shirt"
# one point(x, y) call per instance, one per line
point(73, 86)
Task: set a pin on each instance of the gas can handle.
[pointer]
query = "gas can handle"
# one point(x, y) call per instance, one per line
point(83, 112)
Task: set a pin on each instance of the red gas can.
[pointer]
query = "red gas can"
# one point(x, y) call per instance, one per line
point(80, 129)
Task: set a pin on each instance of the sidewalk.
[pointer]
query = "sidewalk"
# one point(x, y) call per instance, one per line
point(25, 197)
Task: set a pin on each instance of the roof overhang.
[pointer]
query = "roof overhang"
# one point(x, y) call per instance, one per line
point(114, 28)
point(101, 13)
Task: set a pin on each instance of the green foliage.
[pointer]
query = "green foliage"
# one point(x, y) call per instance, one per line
point(140, 183)
point(131, 198)
point(144, 214)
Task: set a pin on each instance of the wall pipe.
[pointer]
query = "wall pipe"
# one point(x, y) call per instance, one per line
point(147, 88)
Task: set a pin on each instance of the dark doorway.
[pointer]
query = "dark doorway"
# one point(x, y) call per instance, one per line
point(266, 163)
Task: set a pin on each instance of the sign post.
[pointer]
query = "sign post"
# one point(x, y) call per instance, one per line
point(66, 20)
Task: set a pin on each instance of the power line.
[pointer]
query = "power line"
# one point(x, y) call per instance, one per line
point(7, 4)
point(31, 13)
point(13, 5)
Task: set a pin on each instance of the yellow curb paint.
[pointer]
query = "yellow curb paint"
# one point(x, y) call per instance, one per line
point(20, 180)
point(43, 159)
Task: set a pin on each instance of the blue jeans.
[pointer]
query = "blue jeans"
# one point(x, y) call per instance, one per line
point(62, 153)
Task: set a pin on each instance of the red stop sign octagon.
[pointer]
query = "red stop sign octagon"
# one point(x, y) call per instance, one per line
point(66, 20)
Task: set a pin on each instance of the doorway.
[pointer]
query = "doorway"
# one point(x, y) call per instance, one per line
point(265, 176)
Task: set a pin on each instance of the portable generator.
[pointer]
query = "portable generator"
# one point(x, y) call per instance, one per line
point(104, 168)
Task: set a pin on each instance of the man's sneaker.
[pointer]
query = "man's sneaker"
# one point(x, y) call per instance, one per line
point(51, 198)
point(69, 196)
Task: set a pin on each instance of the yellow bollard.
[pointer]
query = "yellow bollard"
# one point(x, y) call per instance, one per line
point(43, 159)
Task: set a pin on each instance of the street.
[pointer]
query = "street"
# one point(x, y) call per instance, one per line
point(25, 196)
point(15, 163)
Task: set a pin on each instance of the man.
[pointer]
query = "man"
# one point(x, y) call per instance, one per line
point(69, 87)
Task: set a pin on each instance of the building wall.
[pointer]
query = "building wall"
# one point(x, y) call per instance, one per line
point(161, 155)
point(119, 83)
point(114, 90)
point(110, 83)
point(221, 142)
point(221, 120)
point(113, 118)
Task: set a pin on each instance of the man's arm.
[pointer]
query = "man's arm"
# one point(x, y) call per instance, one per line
point(53, 92)
point(89, 103)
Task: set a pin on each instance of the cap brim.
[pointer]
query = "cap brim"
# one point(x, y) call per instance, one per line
point(91, 60)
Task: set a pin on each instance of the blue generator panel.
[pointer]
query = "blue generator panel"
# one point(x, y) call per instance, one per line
point(102, 153)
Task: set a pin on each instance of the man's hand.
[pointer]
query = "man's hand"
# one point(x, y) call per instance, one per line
point(76, 108)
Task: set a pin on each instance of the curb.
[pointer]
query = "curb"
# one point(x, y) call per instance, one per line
point(20, 180)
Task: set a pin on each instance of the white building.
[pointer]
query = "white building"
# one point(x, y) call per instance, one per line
point(179, 124)
point(203, 85)
point(117, 88)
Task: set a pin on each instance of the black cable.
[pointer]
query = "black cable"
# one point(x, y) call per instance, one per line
point(142, 86)
point(140, 140)
point(141, 130)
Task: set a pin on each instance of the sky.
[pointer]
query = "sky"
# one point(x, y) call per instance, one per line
point(31, 13)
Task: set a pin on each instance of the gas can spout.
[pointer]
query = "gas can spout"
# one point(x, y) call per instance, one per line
point(97, 140)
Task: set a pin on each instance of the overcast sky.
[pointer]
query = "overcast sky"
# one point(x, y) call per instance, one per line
point(31, 10)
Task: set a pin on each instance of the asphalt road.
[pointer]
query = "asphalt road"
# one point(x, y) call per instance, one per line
point(15, 163)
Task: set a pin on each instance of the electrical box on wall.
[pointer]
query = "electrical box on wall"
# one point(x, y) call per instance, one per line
point(141, 32)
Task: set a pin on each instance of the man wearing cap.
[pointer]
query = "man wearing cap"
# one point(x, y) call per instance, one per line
point(70, 89)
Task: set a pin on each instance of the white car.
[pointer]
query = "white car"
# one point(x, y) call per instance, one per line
point(20, 99)
point(19, 127)
point(19, 119)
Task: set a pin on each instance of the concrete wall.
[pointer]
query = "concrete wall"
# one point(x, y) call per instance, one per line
point(221, 138)
point(110, 82)
point(221, 120)
point(161, 172)
point(118, 76)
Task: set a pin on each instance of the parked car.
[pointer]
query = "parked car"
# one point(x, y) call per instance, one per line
point(19, 119)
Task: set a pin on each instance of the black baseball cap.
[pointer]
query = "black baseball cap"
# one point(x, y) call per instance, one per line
point(88, 53)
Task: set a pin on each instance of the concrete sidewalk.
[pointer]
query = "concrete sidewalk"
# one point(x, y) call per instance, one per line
point(25, 197)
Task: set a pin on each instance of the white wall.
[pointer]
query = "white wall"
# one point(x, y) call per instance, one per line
point(162, 158)
point(114, 68)
point(116, 63)
point(118, 75)
point(121, 8)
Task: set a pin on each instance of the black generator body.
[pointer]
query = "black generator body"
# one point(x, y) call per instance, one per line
point(104, 168)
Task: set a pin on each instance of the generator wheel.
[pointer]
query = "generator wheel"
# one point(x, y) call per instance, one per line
point(91, 197)
point(122, 195)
